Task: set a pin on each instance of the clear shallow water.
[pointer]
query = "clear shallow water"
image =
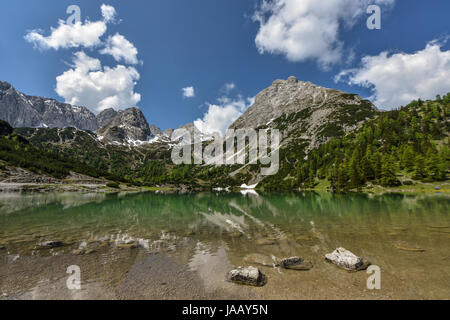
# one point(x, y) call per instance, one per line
point(187, 243)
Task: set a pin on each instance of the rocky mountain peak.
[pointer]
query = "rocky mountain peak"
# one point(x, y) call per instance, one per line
point(314, 113)
point(155, 131)
point(21, 110)
point(104, 117)
point(127, 125)
point(4, 86)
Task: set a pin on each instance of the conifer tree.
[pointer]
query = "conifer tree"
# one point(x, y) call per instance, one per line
point(388, 177)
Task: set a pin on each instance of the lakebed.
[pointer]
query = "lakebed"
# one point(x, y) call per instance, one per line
point(181, 246)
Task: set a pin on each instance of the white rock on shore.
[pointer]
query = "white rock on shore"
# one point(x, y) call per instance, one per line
point(346, 260)
point(248, 276)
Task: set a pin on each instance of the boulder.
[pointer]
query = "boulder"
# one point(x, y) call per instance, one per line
point(295, 263)
point(347, 260)
point(248, 276)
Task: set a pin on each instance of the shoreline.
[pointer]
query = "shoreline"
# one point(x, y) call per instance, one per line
point(14, 187)
point(61, 187)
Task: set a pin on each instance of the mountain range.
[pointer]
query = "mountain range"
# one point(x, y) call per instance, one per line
point(24, 111)
point(310, 111)
point(322, 129)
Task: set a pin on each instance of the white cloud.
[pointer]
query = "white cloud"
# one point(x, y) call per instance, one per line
point(121, 49)
point(307, 29)
point(220, 116)
point(78, 34)
point(88, 84)
point(229, 87)
point(108, 13)
point(397, 79)
point(68, 36)
point(188, 92)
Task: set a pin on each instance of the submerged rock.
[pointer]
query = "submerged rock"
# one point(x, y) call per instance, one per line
point(295, 263)
point(49, 244)
point(257, 258)
point(265, 242)
point(347, 260)
point(402, 245)
point(131, 245)
point(236, 234)
point(248, 276)
point(78, 252)
point(303, 238)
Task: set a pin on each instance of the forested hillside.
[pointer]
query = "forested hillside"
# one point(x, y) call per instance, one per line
point(17, 151)
point(397, 147)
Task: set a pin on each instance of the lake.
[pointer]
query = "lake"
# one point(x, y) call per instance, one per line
point(180, 246)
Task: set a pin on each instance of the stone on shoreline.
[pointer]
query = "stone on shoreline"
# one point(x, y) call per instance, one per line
point(347, 260)
point(248, 276)
point(295, 263)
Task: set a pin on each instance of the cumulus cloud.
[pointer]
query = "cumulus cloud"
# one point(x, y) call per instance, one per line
point(69, 35)
point(220, 116)
point(108, 13)
point(188, 92)
point(89, 84)
point(398, 78)
point(307, 29)
point(79, 34)
point(121, 49)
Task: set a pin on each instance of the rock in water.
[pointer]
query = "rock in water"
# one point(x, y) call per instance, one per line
point(247, 275)
point(347, 260)
point(402, 245)
point(132, 245)
point(295, 263)
point(265, 242)
point(49, 244)
point(260, 259)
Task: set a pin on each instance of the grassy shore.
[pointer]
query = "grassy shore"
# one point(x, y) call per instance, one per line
point(417, 187)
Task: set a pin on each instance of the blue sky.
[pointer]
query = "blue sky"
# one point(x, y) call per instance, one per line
point(207, 44)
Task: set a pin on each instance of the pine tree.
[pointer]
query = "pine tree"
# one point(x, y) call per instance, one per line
point(378, 165)
point(435, 168)
point(419, 168)
point(341, 180)
point(407, 158)
point(388, 177)
point(311, 177)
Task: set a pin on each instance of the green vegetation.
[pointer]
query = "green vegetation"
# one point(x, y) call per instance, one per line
point(411, 143)
point(18, 151)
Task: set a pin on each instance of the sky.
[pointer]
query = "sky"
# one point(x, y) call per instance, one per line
point(204, 61)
